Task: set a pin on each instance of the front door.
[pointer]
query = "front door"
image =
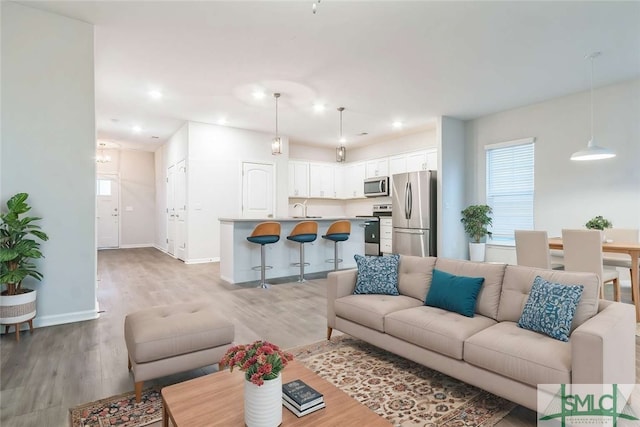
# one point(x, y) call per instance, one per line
point(108, 219)
point(180, 197)
point(257, 190)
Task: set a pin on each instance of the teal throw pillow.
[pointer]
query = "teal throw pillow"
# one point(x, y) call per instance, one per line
point(377, 274)
point(454, 293)
point(550, 308)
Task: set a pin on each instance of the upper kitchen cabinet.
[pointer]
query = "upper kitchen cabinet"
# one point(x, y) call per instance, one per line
point(322, 180)
point(298, 179)
point(413, 162)
point(377, 168)
point(354, 180)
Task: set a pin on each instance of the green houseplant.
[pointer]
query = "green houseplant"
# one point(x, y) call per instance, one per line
point(19, 246)
point(598, 223)
point(476, 219)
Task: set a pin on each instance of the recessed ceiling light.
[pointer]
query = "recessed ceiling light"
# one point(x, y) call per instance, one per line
point(222, 121)
point(136, 129)
point(258, 94)
point(319, 108)
point(155, 94)
point(397, 124)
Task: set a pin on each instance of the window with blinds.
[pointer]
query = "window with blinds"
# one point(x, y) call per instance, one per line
point(510, 187)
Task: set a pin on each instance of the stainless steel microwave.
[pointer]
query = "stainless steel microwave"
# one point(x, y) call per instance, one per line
point(376, 187)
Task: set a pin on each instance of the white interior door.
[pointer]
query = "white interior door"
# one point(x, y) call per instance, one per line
point(180, 192)
point(108, 220)
point(257, 190)
point(171, 210)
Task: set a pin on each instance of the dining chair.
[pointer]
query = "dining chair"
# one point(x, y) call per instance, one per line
point(627, 235)
point(583, 252)
point(532, 249)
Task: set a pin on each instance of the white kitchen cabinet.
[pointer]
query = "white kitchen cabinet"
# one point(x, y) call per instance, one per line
point(432, 160)
point(397, 164)
point(386, 235)
point(376, 168)
point(354, 180)
point(338, 180)
point(321, 180)
point(422, 160)
point(298, 179)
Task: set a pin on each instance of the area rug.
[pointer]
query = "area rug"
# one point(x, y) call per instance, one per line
point(404, 392)
point(121, 411)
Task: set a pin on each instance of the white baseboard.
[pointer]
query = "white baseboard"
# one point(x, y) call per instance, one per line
point(161, 249)
point(202, 260)
point(137, 245)
point(59, 319)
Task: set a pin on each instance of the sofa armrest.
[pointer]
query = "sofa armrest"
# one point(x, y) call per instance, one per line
point(603, 349)
point(340, 284)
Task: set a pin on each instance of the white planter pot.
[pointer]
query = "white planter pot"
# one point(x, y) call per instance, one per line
point(17, 308)
point(476, 252)
point(263, 404)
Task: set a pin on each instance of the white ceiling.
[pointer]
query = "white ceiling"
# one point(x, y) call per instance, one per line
point(382, 60)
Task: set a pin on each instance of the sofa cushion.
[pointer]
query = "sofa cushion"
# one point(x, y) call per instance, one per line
point(369, 310)
point(519, 354)
point(435, 329)
point(489, 296)
point(414, 275)
point(550, 308)
point(377, 275)
point(454, 293)
point(518, 281)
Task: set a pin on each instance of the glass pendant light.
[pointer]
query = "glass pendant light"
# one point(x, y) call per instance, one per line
point(593, 151)
point(341, 150)
point(276, 143)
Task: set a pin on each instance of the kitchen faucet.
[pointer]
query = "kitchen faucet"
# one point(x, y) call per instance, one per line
point(304, 208)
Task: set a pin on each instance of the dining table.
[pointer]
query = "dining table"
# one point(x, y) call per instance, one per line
point(631, 248)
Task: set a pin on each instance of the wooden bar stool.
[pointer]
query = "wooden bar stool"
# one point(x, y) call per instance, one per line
point(263, 234)
point(338, 231)
point(303, 232)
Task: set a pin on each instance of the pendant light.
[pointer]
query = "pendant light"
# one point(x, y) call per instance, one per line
point(101, 157)
point(276, 143)
point(341, 150)
point(593, 151)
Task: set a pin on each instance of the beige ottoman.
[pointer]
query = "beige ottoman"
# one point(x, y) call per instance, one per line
point(175, 338)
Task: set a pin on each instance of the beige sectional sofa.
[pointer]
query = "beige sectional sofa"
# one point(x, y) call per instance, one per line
point(489, 350)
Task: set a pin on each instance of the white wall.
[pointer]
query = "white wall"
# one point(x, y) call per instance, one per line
point(48, 149)
point(309, 153)
point(394, 145)
point(567, 193)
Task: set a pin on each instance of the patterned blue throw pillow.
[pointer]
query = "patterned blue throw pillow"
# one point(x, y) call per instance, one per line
point(550, 308)
point(377, 274)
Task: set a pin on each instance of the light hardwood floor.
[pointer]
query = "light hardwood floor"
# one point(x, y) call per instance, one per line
point(59, 367)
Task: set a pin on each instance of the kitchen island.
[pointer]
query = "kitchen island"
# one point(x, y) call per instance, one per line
point(238, 256)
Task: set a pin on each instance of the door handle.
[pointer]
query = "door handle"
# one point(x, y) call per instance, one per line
point(406, 201)
point(410, 200)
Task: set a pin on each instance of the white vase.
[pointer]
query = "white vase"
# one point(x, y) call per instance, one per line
point(476, 252)
point(263, 404)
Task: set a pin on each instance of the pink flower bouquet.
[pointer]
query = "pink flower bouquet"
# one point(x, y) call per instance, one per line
point(260, 361)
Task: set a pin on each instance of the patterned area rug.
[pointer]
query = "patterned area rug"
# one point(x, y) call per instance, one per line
point(120, 411)
point(404, 392)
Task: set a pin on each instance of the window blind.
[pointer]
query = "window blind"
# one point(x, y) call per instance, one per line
point(510, 186)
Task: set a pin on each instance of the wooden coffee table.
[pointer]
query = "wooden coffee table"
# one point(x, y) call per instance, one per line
point(217, 400)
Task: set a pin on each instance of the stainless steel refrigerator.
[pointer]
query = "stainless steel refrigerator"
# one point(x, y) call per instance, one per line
point(414, 213)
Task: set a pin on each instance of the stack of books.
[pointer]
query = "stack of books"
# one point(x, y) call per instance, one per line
point(300, 398)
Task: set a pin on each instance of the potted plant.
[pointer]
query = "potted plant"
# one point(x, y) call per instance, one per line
point(18, 248)
point(262, 362)
point(599, 223)
point(476, 219)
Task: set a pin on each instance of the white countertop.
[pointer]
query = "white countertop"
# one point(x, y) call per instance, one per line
point(282, 219)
